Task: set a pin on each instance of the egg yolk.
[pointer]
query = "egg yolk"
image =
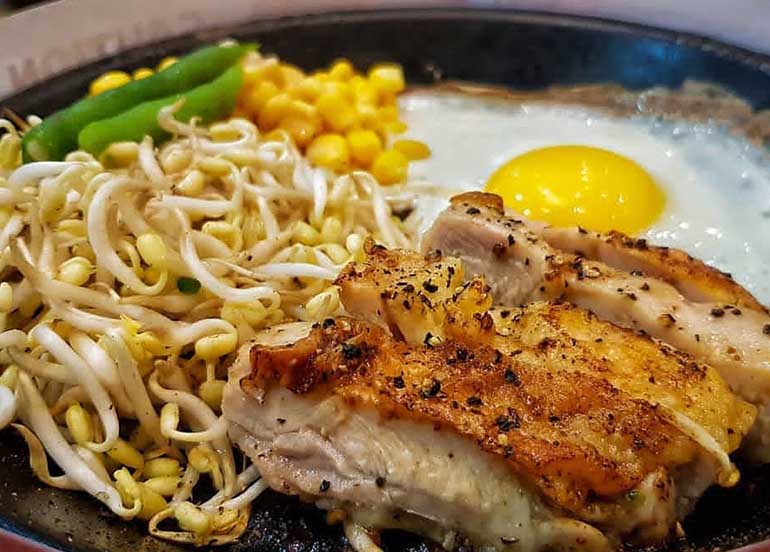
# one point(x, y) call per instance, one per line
point(579, 186)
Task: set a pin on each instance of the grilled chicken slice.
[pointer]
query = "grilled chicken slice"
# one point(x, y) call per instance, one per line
point(692, 278)
point(533, 428)
point(426, 300)
point(521, 265)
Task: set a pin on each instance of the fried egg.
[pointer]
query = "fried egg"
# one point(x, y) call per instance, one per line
point(693, 186)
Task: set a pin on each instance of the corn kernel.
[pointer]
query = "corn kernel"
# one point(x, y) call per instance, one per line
point(211, 393)
point(161, 467)
point(191, 518)
point(6, 297)
point(367, 116)
point(300, 108)
point(395, 127)
point(301, 130)
point(387, 77)
point(121, 154)
point(273, 111)
point(75, 271)
point(212, 347)
point(365, 146)
point(330, 151)
point(308, 89)
point(125, 454)
point(336, 111)
point(79, 424)
point(259, 96)
point(342, 89)
point(152, 249)
point(142, 73)
point(365, 93)
point(390, 167)
point(305, 234)
point(192, 184)
point(387, 113)
point(341, 70)
point(331, 230)
point(291, 75)
point(164, 485)
point(263, 70)
point(414, 150)
point(108, 81)
point(166, 62)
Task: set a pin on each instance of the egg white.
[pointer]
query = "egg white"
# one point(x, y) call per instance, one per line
point(717, 186)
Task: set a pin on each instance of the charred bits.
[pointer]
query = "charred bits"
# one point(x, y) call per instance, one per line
point(508, 422)
point(350, 351)
point(512, 377)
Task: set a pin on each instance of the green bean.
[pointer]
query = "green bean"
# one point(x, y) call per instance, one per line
point(209, 102)
point(57, 135)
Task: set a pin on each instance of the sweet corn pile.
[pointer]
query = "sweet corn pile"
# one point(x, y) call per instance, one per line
point(129, 283)
point(113, 79)
point(341, 119)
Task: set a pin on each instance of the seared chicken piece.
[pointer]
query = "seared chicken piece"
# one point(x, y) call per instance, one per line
point(522, 266)
point(509, 428)
point(692, 278)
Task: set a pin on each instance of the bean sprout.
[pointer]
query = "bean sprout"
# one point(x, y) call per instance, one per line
point(209, 240)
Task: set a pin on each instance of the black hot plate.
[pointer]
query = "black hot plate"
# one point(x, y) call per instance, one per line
point(518, 50)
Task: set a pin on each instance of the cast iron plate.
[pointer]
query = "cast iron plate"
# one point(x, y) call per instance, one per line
point(525, 51)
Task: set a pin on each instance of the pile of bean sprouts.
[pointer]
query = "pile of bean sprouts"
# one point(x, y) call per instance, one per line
point(128, 284)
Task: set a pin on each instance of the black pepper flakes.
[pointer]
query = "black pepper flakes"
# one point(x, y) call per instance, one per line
point(472, 211)
point(511, 240)
point(474, 401)
point(325, 485)
point(717, 312)
point(328, 323)
point(380, 481)
point(398, 382)
point(432, 391)
point(509, 422)
point(350, 351)
point(281, 420)
point(429, 286)
point(766, 329)
point(499, 249)
point(512, 377)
